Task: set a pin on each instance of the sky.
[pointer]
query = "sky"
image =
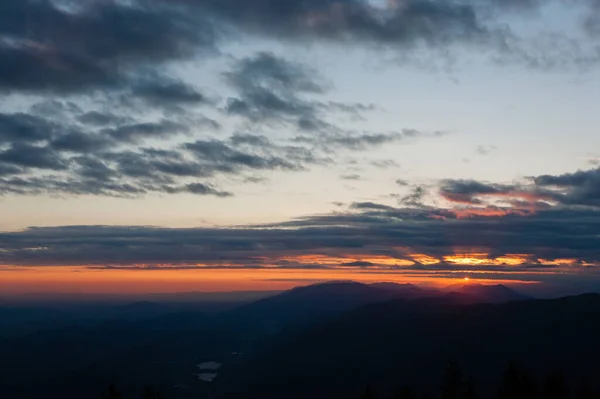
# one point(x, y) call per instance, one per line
point(180, 145)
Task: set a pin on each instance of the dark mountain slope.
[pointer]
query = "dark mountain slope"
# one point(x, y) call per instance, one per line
point(400, 342)
point(489, 293)
point(311, 303)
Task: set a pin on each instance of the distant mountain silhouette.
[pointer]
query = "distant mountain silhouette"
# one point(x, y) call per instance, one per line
point(308, 303)
point(408, 291)
point(319, 301)
point(488, 293)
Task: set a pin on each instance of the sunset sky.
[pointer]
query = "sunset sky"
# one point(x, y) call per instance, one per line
point(181, 145)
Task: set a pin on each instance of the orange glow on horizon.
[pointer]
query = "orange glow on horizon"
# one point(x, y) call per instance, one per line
point(464, 213)
point(319, 259)
point(483, 259)
point(425, 259)
point(16, 280)
point(558, 261)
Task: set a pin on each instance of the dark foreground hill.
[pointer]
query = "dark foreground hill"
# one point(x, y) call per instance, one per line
point(409, 342)
point(336, 330)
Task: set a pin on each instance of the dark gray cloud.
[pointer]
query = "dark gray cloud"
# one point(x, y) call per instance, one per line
point(54, 46)
point(270, 89)
point(275, 91)
point(251, 140)
point(105, 163)
point(119, 53)
point(82, 142)
point(203, 189)
point(414, 22)
point(97, 153)
point(227, 158)
point(9, 170)
point(579, 188)
point(265, 70)
point(467, 191)
point(369, 229)
point(95, 178)
point(96, 118)
point(65, 47)
point(415, 197)
point(92, 168)
point(139, 131)
point(54, 108)
point(361, 141)
point(371, 206)
point(27, 155)
point(519, 196)
point(165, 92)
point(25, 128)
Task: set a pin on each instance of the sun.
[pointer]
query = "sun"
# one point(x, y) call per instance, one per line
point(467, 279)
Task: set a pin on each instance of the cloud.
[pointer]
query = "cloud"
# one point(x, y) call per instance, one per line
point(472, 192)
point(227, 158)
point(369, 234)
point(27, 155)
point(98, 164)
point(415, 197)
point(351, 177)
point(100, 83)
point(430, 22)
point(9, 170)
point(271, 89)
point(467, 191)
point(25, 128)
point(274, 91)
point(57, 47)
point(385, 163)
point(62, 47)
point(81, 142)
point(485, 149)
point(371, 206)
point(93, 152)
point(137, 131)
point(579, 188)
point(265, 70)
point(96, 118)
point(203, 189)
point(362, 141)
point(168, 92)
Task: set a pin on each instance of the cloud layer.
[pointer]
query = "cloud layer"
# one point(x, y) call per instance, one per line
point(95, 103)
point(368, 234)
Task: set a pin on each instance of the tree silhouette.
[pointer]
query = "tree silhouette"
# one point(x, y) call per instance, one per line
point(555, 386)
point(471, 390)
point(112, 393)
point(150, 393)
point(369, 393)
point(453, 385)
point(585, 390)
point(406, 393)
point(517, 384)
